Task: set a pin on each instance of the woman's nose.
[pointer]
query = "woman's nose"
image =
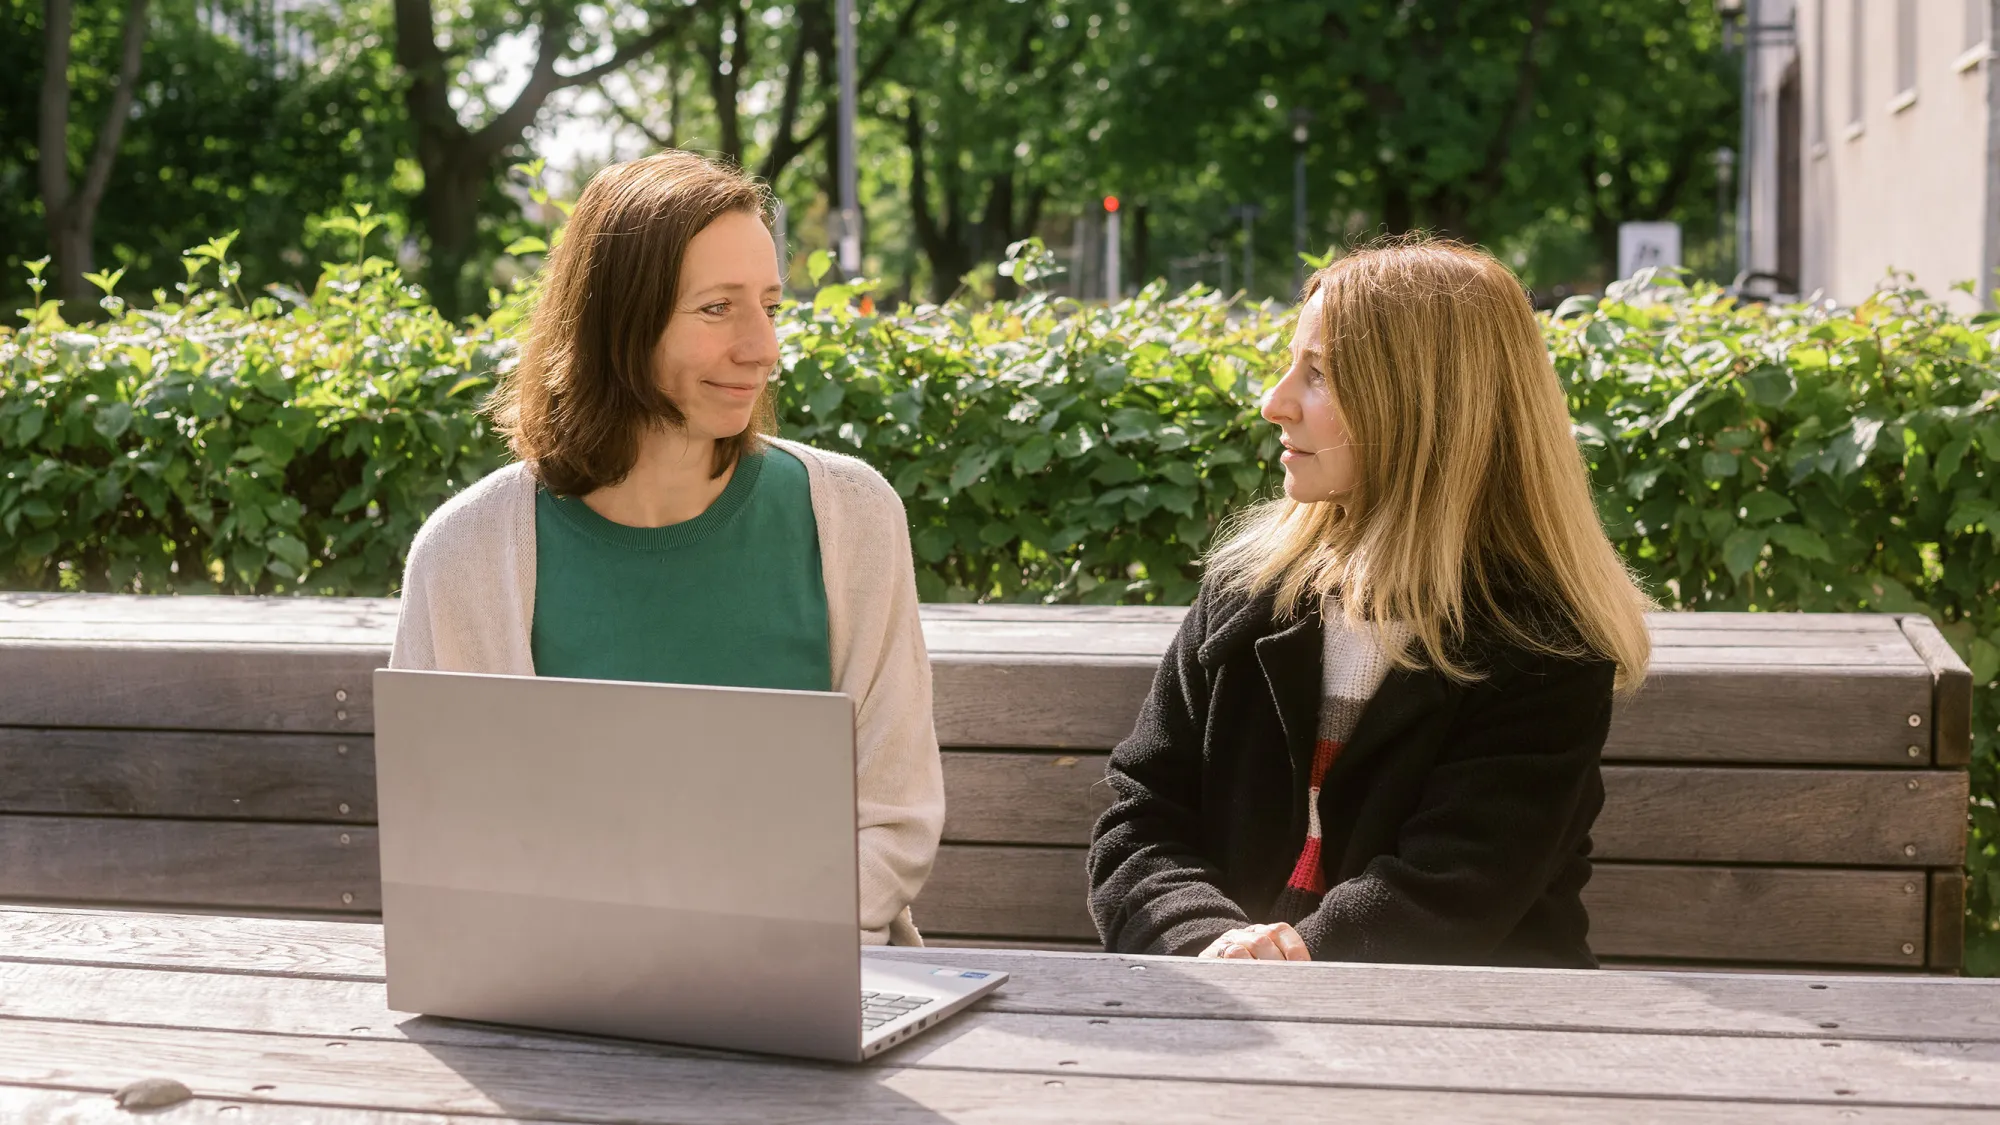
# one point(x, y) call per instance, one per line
point(1278, 403)
point(760, 348)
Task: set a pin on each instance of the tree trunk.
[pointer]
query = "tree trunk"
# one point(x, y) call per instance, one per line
point(450, 206)
point(71, 215)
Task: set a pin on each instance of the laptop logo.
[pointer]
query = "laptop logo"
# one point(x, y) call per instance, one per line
point(963, 974)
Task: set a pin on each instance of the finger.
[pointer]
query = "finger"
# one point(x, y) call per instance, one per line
point(1292, 945)
point(1263, 948)
point(1236, 951)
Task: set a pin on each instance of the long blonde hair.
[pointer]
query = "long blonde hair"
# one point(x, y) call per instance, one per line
point(1469, 483)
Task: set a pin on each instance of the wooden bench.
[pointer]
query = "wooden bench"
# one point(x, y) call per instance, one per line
point(1788, 790)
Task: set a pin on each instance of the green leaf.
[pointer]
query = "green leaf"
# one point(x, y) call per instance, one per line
point(113, 419)
point(1074, 443)
point(972, 464)
point(1741, 550)
point(817, 264)
point(1033, 455)
point(1801, 541)
point(1949, 458)
point(1771, 386)
point(1984, 657)
point(290, 550)
point(933, 543)
point(109, 490)
point(1716, 465)
point(1762, 507)
point(826, 398)
point(527, 245)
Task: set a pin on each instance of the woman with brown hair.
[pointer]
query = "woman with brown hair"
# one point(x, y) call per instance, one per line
point(653, 529)
point(1377, 735)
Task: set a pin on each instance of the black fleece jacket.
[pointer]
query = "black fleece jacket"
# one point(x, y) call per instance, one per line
point(1456, 820)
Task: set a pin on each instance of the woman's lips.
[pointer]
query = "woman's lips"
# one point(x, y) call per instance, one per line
point(734, 390)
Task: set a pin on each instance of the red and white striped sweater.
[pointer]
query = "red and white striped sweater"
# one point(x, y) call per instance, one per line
point(1354, 664)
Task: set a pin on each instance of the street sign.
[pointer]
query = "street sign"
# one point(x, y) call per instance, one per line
point(1647, 244)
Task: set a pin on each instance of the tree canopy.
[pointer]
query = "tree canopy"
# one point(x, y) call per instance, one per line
point(1533, 126)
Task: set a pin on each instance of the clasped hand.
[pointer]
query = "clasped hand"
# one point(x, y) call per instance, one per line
point(1265, 941)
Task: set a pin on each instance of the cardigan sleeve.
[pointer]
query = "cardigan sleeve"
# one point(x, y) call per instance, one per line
point(1493, 826)
point(884, 668)
point(1151, 889)
point(467, 595)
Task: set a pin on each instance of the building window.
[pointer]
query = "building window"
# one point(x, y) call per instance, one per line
point(1856, 88)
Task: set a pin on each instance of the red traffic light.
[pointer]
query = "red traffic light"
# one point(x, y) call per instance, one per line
point(1111, 203)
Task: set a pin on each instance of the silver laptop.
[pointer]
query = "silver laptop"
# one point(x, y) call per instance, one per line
point(639, 860)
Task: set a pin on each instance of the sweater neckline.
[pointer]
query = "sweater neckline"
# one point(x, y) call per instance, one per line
point(675, 536)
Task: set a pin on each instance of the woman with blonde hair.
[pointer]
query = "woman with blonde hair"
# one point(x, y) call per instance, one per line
point(1377, 734)
point(653, 529)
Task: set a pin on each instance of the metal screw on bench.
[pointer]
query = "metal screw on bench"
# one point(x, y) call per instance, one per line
point(1916, 720)
point(343, 807)
point(1909, 888)
point(1910, 850)
point(1913, 785)
point(345, 838)
point(340, 696)
point(1909, 947)
point(1916, 751)
point(340, 749)
point(347, 898)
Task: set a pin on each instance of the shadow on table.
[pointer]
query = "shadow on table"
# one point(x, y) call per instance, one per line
point(546, 1075)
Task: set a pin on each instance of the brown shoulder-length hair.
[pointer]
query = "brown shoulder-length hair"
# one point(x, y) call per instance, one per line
point(584, 394)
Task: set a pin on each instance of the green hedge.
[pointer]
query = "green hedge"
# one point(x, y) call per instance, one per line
point(1747, 457)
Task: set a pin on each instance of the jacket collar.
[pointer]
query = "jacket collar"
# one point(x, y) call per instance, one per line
point(1291, 655)
point(1291, 659)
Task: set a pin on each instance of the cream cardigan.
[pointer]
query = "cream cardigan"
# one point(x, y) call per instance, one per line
point(469, 605)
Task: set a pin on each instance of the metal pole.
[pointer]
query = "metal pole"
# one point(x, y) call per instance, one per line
point(1111, 278)
point(850, 179)
point(1249, 250)
point(780, 235)
point(1746, 165)
point(1300, 116)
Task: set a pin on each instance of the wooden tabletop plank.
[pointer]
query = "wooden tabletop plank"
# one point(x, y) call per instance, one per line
point(1152, 987)
point(509, 1085)
point(1828, 916)
point(1054, 983)
point(211, 943)
point(356, 1070)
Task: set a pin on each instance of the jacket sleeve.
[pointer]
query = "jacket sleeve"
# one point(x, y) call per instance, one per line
point(1151, 888)
point(1494, 826)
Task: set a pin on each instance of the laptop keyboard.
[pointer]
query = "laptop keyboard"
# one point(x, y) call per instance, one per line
point(878, 1008)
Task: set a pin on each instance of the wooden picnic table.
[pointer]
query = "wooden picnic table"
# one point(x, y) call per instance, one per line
point(279, 1022)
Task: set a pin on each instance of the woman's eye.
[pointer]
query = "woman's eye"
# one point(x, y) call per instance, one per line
point(771, 311)
point(716, 309)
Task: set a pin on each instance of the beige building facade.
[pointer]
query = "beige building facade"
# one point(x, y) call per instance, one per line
point(1874, 146)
